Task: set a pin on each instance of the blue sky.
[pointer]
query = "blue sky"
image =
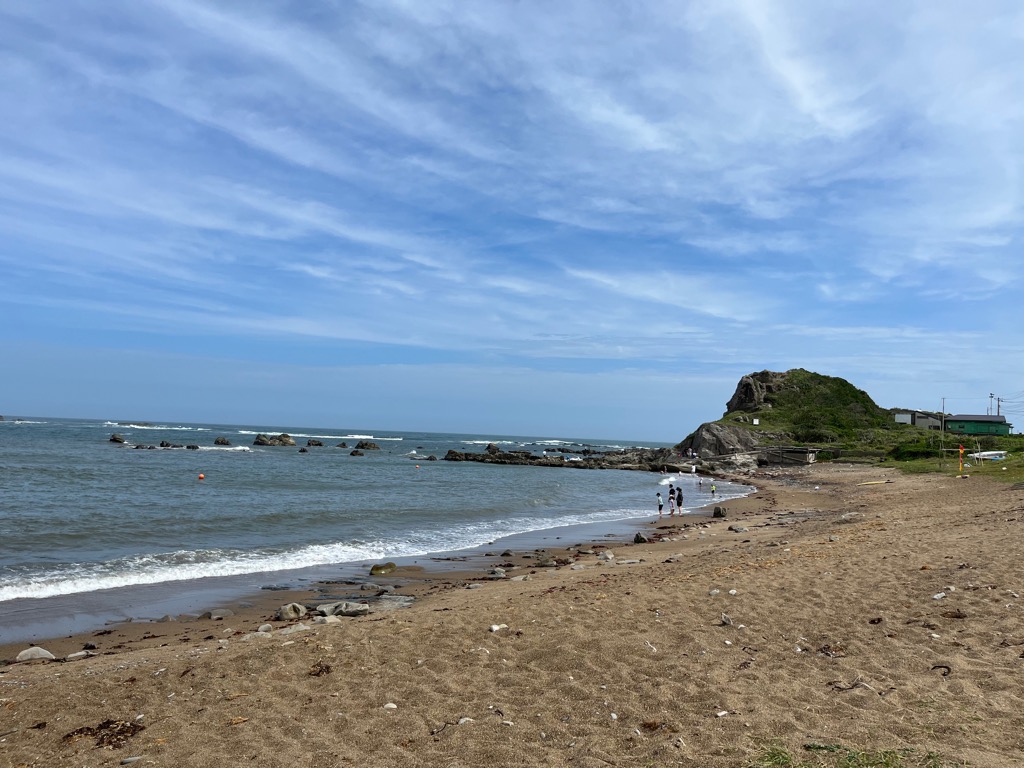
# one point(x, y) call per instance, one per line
point(571, 219)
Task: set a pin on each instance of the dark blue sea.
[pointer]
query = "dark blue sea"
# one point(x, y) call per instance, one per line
point(85, 522)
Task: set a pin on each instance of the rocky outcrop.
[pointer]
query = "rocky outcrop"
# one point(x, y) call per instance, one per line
point(222, 441)
point(715, 440)
point(752, 391)
point(367, 445)
point(116, 438)
point(311, 443)
point(266, 440)
point(645, 459)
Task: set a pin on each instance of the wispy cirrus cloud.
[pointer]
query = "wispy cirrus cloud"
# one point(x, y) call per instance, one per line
point(521, 182)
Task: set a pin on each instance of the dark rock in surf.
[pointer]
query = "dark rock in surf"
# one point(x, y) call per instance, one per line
point(222, 441)
point(116, 438)
point(192, 447)
point(314, 443)
point(356, 453)
point(343, 445)
point(266, 440)
point(367, 445)
point(303, 450)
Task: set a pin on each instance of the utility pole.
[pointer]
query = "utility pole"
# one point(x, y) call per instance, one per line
point(942, 438)
point(999, 405)
point(990, 396)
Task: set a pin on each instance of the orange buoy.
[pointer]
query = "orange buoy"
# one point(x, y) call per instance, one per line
point(202, 476)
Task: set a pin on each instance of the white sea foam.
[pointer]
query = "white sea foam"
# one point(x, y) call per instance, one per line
point(161, 427)
point(189, 565)
point(319, 437)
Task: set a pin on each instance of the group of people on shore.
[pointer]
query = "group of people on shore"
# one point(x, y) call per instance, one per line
point(675, 498)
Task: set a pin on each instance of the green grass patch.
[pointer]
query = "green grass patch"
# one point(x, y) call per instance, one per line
point(838, 756)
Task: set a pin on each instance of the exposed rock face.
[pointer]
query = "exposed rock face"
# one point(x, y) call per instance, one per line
point(751, 390)
point(222, 441)
point(367, 445)
point(116, 438)
point(265, 440)
point(314, 443)
point(711, 440)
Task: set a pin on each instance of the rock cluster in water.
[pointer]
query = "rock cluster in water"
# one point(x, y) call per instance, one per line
point(647, 459)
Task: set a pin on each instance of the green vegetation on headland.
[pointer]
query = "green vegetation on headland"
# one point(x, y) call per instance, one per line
point(842, 422)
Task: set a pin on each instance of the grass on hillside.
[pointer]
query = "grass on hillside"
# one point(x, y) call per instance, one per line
point(837, 756)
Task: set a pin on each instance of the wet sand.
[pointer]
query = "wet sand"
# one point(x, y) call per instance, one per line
point(881, 616)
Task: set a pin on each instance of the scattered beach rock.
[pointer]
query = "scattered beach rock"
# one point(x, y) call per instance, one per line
point(383, 569)
point(218, 614)
point(35, 653)
point(300, 627)
point(640, 539)
point(291, 611)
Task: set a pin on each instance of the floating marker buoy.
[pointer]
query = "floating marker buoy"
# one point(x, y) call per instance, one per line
point(418, 466)
point(202, 476)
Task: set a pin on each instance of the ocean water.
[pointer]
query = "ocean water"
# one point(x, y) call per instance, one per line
point(83, 519)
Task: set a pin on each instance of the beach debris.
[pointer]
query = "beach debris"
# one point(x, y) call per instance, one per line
point(726, 620)
point(35, 653)
point(733, 592)
point(640, 539)
point(945, 669)
point(130, 760)
point(718, 512)
point(390, 706)
point(628, 562)
point(109, 733)
point(648, 644)
point(383, 569)
point(738, 528)
point(876, 620)
point(832, 650)
point(320, 668)
point(614, 716)
point(79, 655)
point(300, 627)
point(723, 713)
point(465, 720)
point(607, 556)
point(508, 723)
point(291, 611)
point(857, 682)
point(498, 627)
point(938, 596)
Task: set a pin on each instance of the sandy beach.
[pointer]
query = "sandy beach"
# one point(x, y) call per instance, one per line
point(839, 607)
